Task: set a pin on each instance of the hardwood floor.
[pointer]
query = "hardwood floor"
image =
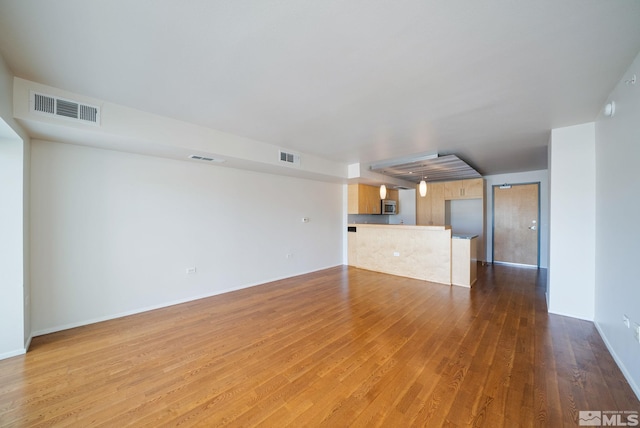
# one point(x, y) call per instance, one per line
point(339, 347)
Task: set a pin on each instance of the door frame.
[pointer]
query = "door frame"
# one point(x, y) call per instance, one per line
point(493, 224)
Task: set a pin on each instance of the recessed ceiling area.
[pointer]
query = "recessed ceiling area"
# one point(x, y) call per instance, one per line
point(429, 168)
point(346, 81)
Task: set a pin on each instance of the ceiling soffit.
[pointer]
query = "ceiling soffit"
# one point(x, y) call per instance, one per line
point(435, 168)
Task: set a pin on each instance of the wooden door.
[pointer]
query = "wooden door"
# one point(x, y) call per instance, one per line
point(516, 224)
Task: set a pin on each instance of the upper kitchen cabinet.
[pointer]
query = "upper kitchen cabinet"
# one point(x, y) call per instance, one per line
point(430, 209)
point(394, 195)
point(464, 189)
point(363, 199)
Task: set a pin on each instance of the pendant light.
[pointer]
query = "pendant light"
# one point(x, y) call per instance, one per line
point(422, 187)
point(383, 191)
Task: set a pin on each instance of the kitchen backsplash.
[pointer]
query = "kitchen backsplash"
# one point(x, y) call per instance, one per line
point(367, 219)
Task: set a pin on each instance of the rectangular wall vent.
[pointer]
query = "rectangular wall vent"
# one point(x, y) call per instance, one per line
point(289, 158)
point(61, 107)
point(206, 159)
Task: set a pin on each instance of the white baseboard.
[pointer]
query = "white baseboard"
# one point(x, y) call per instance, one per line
point(618, 361)
point(569, 315)
point(62, 327)
point(14, 353)
point(546, 295)
point(27, 343)
point(17, 352)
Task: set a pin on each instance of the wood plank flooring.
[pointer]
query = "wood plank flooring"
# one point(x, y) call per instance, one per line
point(339, 347)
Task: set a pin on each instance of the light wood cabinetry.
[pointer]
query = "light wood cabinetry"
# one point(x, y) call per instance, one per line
point(474, 188)
point(464, 189)
point(437, 203)
point(365, 199)
point(464, 261)
point(394, 196)
point(430, 208)
point(423, 209)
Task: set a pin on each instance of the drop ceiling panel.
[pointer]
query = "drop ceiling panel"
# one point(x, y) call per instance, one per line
point(442, 168)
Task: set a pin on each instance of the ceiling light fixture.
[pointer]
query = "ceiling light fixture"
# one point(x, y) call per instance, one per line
point(422, 187)
point(383, 191)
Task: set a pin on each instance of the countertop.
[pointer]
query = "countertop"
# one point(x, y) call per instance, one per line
point(458, 236)
point(398, 226)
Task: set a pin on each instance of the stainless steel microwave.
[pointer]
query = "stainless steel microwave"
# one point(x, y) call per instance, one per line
point(388, 206)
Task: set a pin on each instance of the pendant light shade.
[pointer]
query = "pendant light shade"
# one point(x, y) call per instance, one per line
point(383, 191)
point(423, 188)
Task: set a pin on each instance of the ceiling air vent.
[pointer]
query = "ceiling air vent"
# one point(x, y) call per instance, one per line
point(68, 109)
point(289, 158)
point(206, 159)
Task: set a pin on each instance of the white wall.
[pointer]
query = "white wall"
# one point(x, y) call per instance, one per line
point(113, 233)
point(15, 332)
point(11, 246)
point(406, 208)
point(540, 176)
point(617, 288)
point(465, 218)
point(571, 282)
point(130, 130)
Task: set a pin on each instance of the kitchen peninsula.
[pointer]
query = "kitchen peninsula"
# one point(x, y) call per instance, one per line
point(421, 252)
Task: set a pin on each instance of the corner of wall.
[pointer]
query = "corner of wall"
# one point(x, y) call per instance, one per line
point(571, 278)
point(617, 208)
point(14, 191)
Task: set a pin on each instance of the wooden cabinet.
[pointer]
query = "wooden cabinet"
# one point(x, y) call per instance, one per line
point(430, 208)
point(464, 261)
point(394, 196)
point(474, 188)
point(423, 208)
point(464, 189)
point(437, 204)
point(363, 199)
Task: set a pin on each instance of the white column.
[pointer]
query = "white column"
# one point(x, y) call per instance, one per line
point(572, 179)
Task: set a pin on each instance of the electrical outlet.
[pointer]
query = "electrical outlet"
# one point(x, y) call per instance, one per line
point(636, 332)
point(625, 319)
point(191, 270)
point(289, 256)
point(396, 254)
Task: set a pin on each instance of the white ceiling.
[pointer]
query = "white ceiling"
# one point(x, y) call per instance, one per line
point(349, 81)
